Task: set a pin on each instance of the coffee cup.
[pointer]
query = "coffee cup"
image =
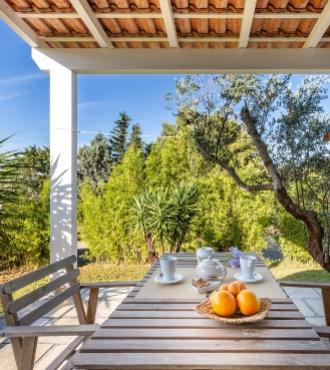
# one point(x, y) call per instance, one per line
point(168, 267)
point(248, 265)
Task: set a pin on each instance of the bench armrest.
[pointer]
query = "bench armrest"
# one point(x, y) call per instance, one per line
point(322, 331)
point(109, 284)
point(48, 331)
point(305, 284)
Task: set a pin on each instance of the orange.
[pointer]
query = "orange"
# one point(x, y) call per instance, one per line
point(241, 285)
point(223, 287)
point(248, 303)
point(223, 303)
point(234, 288)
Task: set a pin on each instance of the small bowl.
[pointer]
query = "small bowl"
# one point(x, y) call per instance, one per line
point(213, 285)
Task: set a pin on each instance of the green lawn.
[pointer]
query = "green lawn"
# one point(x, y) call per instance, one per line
point(288, 270)
point(127, 271)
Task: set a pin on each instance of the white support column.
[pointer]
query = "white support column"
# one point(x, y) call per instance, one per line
point(63, 158)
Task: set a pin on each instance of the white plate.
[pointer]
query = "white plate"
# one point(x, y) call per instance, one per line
point(257, 277)
point(214, 284)
point(160, 279)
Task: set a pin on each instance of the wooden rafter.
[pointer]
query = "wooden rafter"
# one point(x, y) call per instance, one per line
point(181, 39)
point(167, 12)
point(249, 9)
point(286, 15)
point(19, 26)
point(319, 29)
point(92, 23)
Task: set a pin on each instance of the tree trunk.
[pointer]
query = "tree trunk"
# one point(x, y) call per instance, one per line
point(309, 218)
point(152, 254)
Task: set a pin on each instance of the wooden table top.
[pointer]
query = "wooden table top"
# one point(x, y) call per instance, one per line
point(167, 334)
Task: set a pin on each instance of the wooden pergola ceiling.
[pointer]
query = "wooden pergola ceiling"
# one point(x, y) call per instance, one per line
point(170, 24)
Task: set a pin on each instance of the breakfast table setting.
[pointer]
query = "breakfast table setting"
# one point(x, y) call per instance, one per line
point(205, 310)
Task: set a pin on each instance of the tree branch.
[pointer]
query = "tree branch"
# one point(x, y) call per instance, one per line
point(234, 175)
point(310, 219)
point(239, 182)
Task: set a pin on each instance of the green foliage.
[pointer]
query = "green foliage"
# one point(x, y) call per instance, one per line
point(293, 238)
point(94, 161)
point(279, 137)
point(118, 137)
point(30, 240)
point(136, 137)
point(106, 224)
point(166, 214)
point(24, 199)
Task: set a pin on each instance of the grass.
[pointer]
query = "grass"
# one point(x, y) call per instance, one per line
point(290, 270)
point(94, 272)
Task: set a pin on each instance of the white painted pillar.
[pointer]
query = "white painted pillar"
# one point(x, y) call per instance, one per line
point(63, 158)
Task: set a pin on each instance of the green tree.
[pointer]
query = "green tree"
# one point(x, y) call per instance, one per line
point(118, 137)
point(136, 137)
point(107, 225)
point(24, 207)
point(36, 167)
point(271, 113)
point(94, 160)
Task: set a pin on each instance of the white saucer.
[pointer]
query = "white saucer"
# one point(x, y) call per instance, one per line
point(257, 277)
point(160, 279)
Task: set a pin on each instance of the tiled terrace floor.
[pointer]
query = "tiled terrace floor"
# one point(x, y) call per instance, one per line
point(309, 302)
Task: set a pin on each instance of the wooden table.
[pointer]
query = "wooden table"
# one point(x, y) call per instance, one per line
point(167, 334)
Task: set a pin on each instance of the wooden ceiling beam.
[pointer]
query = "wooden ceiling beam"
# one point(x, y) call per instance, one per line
point(180, 39)
point(175, 60)
point(286, 15)
point(92, 23)
point(320, 28)
point(167, 13)
point(19, 26)
point(249, 9)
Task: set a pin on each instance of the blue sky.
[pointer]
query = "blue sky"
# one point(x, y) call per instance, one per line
point(24, 95)
point(24, 98)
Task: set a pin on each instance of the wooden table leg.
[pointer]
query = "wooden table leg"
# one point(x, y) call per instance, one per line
point(326, 304)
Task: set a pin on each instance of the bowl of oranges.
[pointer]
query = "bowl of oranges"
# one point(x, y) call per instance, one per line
point(234, 303)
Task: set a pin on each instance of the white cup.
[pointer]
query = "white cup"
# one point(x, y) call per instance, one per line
point(248, 265)
point(168, 266)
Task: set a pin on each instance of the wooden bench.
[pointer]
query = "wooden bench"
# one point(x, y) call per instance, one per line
point(323, 331)
point(23, 336)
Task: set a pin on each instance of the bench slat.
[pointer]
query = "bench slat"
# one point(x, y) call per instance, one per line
point(33, 276)
point(27, 299)
point(48, 306)
point(49, 331)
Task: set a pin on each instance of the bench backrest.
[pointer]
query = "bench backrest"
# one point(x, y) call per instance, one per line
point(64, 285)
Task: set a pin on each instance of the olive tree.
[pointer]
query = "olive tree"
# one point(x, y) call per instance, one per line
point(278, 125)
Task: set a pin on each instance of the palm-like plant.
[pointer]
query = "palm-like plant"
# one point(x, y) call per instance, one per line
point(166, 215)
point(9, 194)
point(9, 175)
point(184, 205)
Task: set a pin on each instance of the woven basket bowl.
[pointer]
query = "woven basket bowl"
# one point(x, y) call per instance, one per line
point(205, 309)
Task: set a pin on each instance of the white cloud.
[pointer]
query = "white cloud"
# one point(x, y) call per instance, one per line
point(10, 96)
point(91, 104)
point(22, 78)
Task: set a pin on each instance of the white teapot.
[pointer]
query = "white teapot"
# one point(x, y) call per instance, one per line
point(211, 268)
point(203, 253)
